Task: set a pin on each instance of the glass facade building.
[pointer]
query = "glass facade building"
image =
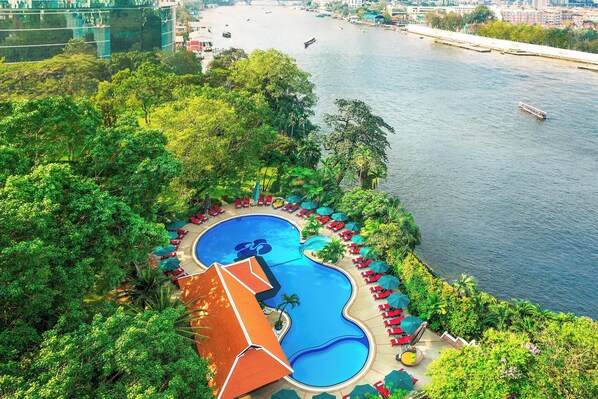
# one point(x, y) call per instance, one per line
point(33, 30)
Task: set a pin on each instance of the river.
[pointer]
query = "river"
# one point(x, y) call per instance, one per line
point(498, 194)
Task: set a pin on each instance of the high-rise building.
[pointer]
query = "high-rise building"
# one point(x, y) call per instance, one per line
point(32, 30)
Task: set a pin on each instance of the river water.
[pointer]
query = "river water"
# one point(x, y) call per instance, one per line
point(497, 193)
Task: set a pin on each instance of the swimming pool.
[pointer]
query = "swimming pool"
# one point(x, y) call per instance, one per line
point(323, 347)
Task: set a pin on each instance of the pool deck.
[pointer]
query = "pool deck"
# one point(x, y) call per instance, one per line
point(363, 308)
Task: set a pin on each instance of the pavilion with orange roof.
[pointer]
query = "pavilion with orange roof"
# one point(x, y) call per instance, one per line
point(243, 351)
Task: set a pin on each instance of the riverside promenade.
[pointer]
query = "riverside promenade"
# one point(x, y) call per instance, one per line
point(363, 308)
point(505, 45)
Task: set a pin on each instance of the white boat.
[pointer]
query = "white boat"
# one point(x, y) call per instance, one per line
point(538, 113)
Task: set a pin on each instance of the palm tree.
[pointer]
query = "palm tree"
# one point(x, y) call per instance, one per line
point(144, 286)
point(466, 286)
point(332, 251)
point(286, 300)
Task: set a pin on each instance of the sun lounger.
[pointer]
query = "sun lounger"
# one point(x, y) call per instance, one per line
point(212, 212)
point(293, 208)
point(194, 220)
point(366, 262)
point(373, 279)
point(175, 280)
point(392, 313)
point(260, 201)
point(332, 224)
point(347, 237)
point(383, 295)
point(182, 231)
point(218, 209)
point(376, 289)
point(308, 214)
point(175, 272)
point(170, 255)
point(361, 265)
point(394, 322)
point(395, 331)
point(319, 217)
point(238, 203)
point(385, 393)
point(246, 202)
point(338, 226)
point(384, 307)
point(175, 242)
point(344, 233)
point(358, 260)
point(400, 341)
point(324, 219)
point(301, 213)
point(368, 273)
point(268, 200)
point(355, 250)
point(202, 217)
point(287, 206)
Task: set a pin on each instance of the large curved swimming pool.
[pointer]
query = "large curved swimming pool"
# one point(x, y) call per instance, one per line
point(324, 348)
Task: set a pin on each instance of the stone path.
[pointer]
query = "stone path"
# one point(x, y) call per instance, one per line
point(363, 308)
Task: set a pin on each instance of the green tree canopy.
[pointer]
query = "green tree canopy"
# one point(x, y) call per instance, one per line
point(182, 62)
point(119, 356)
point(285, 87)
point(352, 129)
point(65, 239)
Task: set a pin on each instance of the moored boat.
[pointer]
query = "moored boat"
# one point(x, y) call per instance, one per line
point(538, 113)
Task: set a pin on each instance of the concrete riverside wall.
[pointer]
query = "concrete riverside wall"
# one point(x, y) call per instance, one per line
point(502, 45)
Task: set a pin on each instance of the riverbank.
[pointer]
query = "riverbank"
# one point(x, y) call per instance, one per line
point(504, 46)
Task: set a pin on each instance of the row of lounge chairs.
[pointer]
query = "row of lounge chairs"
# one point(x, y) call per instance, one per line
point(244, 203)
point(383, 391)
point(200, 218)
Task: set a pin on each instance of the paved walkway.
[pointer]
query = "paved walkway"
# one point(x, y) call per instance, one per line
point(364, 308)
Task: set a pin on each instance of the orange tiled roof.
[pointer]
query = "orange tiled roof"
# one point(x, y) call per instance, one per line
point(243, 350)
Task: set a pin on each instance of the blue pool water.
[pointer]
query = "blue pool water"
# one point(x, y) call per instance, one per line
point(324, 348)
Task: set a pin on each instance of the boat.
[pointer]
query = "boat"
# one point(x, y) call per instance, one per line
point(226, 34)
point(309, 42)
point(538, 113)
point(321, 15)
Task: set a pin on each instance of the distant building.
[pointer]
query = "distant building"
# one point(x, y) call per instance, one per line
point(521, 16)
point(354, 4)
point(373, 19)
point(34, 30)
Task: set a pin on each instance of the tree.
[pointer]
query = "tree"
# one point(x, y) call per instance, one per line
point(78, 46)
point(118, 356)
point(355, 127)
point(286, 300)
point(479, 15)
point(144, 287)
point(219, 69)
point(143, 88)
point(132, 60)
point(466, 286)
point(286, 88)
point(311, 228)
point(333, 251)
point(182, 62)
point(49, 130)
point(65, 239)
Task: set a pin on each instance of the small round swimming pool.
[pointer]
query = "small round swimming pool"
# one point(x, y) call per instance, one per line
point(323, 347)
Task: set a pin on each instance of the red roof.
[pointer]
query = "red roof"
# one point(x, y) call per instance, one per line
point(244, 352)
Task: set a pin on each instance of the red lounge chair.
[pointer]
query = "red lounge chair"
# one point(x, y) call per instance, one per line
point(385, 393)
point(332, 224)
point(170, 255)
point(347, 237)
point(308, 214)
point(301, 213)
point(324, 219)
point(286, 207)
point(246, 202)
point(212, 212)
point(195, 221)
point(358, 260)
point(175, 280)
point(352, 245)
point(383, 295)
point(338, 226)
point(376, 289)
point(395, 331)
point(218, 209)
point(415, 380)
point(366, 262)
point(175, 272)
point(319, 217)
point(260, 201)
point(384, 307)
point(392, 313)
point(181, 231)
point(268, 200)
point(373, 279)
point(355, 250)
point(394, 322)
point(368, 273)
point(175, 242)
point(400, 341)
point(238, 203)
point(344, 233)
point(293, 208)
point(361, 265)
point(202, 217)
